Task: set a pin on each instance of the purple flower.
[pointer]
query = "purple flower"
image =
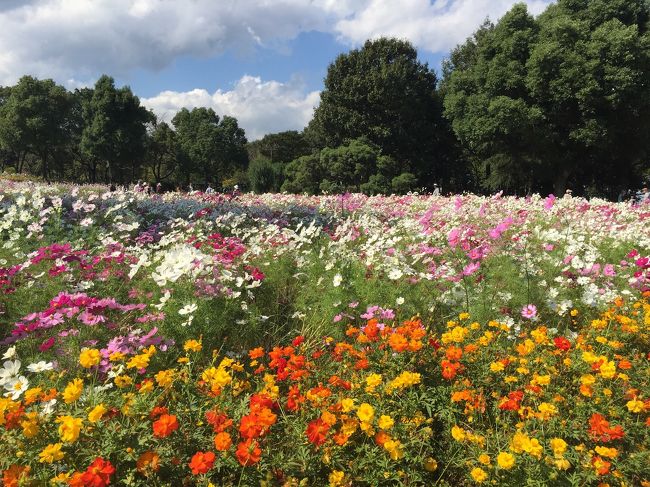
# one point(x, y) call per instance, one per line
point(529, 311)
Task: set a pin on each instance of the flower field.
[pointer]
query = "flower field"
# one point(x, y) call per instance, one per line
point(333, 340)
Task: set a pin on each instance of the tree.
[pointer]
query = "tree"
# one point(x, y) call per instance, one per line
point(282, 147)
point(540, 103)
point(32, 120)
point(161, 151)
point(382, 92)
point(114, 130)
point(303, 175)
point(348, 166)
point(212, 148)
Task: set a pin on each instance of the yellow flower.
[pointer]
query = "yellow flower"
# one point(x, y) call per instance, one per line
point(116, 356)
point(73, 391)
point(365, 412)
point(562, 463)
point(394, 449)
point(505, 460)
point(146, 386)
point(484, 459)
point(497, 366)
point(89, 357)
point(430, 464)
point(51, 453)
point(216, 377)
point(635, 406)
point(385, 422)
point(479, 475)
point(587, 380)
point(164, 378)
point(97, 413)
point(606, 452)
point(140, 361)
point(32, 394)
point(372, 381)
point(608, 370)
point(122, 381)
point(546, 410)
point(463, 316)
point(336, 478)
point(69, 428)
point(559, 446)
point(328, 418)
point(458, 433)
point(347, 405)
point(541, 380)
point(30, 425)
point(193, 345)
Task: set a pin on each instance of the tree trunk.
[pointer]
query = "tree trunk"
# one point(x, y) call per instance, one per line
point(559, 185)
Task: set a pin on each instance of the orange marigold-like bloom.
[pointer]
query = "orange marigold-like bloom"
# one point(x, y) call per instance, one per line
point(222, 441)
point(148, 462)
point(219, 421)
point(165, 425)
point(317, 431)
point(397, 342)
point(98, 473)
point(600, 430)
point(256, 353)
point(14, 475)
point(202, 462)
point(600, 465)
point(248, 452)
point(449, 369)
point(454, 353)
point(250, 427)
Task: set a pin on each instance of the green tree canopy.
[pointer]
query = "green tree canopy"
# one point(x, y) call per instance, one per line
point(540, 103)
point(382, 92)
point(114, 130)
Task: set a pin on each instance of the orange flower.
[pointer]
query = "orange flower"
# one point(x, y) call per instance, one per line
point(98, 473)
point(454, 353)
point(201, 462)
point(248, 452)
point(219, 421)
point(600, 465)
point(14, 475)
point(165, 425)
point(148, 462)
point(600, 430)
point(249, 427)
point(397, 342)
point(317, 431)
point(222, 441)
point(256, 353)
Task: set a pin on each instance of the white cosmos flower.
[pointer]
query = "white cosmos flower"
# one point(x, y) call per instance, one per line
point(48, 407)
point(395, 274)
point(16, 387)
point(9, 370)
point(10, 353)
point(41, 366)
point(336, 282)
point(188, 309)
point(399, 301)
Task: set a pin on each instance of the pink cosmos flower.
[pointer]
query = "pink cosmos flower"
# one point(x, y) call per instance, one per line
point(529, 311)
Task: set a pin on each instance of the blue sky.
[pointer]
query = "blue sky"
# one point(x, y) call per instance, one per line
point(261, 61)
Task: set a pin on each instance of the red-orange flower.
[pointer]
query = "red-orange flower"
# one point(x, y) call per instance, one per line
point(317, 431)
point(250, 427)
point(256, 353)
point(201, 462)
point(248, 452)
point(14, 475)
point(397, 342)
point(222, 441)
point(601, 465)
point(98, 473)
point(219, 421)
point(449, 369)
point(165, 425)
point(600, 430)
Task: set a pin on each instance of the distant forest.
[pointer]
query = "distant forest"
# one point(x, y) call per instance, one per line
point(527, 104)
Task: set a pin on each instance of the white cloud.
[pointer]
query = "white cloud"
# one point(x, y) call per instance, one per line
point(435, 26)
point(260, 107)
point(80, 39)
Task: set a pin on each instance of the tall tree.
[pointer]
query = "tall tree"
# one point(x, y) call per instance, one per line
point(384, 93)
point(162, 151)
point(561, 99)
point(281, 147)
point(32, 120)
point(114, 132)
point(211, 147)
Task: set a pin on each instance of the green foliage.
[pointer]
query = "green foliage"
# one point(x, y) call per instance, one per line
point(212, 148)
point(542, 103)
point(382, 92)
point(262, 175)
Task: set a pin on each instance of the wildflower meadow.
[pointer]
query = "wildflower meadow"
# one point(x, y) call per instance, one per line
point(282, 340)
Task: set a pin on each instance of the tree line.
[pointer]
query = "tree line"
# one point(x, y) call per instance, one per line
point(526, 104)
